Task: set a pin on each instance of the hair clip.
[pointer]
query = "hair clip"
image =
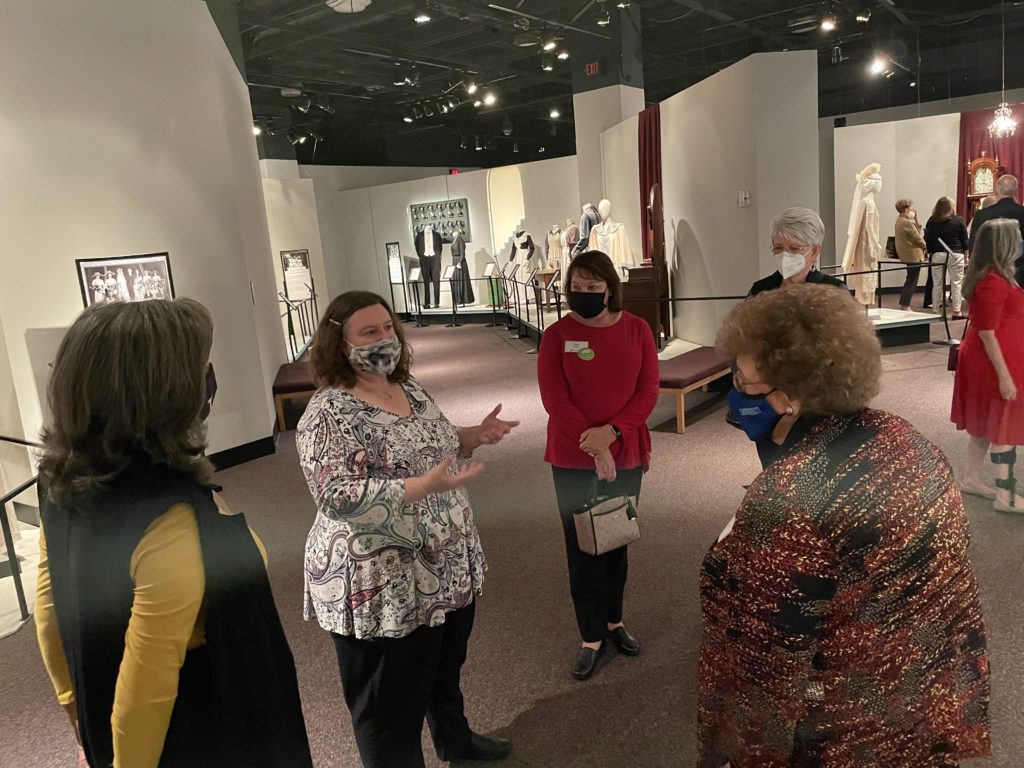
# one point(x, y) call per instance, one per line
point(332, 321)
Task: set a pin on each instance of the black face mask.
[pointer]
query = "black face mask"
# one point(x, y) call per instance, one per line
point(211, 392)
point(585, 304)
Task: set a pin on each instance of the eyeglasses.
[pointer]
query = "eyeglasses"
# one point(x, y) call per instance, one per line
point(741, 386)
point(803, 250)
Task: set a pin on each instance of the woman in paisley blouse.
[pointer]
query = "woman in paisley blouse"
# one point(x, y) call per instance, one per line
point(842, 625)
point(393, 560)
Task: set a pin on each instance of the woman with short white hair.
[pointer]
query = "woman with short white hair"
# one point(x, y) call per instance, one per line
point(796, 238)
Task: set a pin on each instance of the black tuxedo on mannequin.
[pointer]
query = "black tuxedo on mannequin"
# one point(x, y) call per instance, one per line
point(430, 264)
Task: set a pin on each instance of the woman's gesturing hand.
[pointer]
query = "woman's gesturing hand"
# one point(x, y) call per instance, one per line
point(492, 429)
point(605, 465)
point(439, 480)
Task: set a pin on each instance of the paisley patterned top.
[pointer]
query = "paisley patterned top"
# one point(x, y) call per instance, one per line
point(375, 565)
point(842, 625)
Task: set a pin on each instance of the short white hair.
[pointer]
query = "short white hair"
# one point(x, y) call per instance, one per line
point(800, 224)
point(1007, 185)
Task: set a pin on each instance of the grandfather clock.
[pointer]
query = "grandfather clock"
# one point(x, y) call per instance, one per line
point(982, 175)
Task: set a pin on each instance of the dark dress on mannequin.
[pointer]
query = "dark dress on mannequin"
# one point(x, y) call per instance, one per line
point(462, 286)
point(589, 218)
point(430, 265)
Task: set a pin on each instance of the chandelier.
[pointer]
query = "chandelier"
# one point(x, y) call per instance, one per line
point(1003, 123)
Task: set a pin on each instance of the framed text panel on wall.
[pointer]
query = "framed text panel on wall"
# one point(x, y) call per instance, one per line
point(297, 277)
point(125, 278)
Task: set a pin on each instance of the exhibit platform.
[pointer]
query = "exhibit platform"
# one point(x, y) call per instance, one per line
point(897, 328)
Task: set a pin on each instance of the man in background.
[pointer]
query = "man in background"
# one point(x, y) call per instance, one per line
point(1006, 208)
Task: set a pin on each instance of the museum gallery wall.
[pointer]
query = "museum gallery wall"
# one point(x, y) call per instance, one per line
point(97, 166)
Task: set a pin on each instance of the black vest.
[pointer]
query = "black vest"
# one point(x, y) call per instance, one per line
point(238, 700)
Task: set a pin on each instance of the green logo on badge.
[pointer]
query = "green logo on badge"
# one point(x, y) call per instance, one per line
point(586, 354)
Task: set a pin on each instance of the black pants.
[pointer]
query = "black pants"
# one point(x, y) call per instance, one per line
point(928, 288)
point(597, 583)
point(910, 285)
point(391, 684)
point(430, 266)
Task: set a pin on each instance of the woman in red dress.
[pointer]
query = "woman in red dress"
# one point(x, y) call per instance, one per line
point(990, 371)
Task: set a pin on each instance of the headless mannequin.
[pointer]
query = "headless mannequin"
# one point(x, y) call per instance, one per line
point(428, 248)
point(610, 237)
point(589, 218)
point(863, 248)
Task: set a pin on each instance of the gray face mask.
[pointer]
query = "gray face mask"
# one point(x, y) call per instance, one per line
point(380, 358)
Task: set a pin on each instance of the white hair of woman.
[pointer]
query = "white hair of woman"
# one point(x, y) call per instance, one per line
point(800, 224)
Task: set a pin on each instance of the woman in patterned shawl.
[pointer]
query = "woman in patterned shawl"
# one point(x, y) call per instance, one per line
point(393, 560)
point(842, 626)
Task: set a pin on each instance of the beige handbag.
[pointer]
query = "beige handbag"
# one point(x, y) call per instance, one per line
point(606, 523)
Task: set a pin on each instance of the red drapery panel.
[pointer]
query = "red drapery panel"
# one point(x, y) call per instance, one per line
point(974, 138)
point(650, 163)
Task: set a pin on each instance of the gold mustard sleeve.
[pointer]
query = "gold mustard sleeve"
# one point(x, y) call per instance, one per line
point(48, 631)
point(167, 567)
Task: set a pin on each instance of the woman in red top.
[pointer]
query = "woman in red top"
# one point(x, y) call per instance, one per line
point(990, 371)
point(598, 375)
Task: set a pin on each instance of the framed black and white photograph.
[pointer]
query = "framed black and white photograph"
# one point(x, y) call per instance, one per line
point(394, 257)
point(296, 275)
point(125, 278)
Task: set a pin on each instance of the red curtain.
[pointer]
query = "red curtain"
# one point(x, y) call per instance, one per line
point(974, 138)
point(650, 164)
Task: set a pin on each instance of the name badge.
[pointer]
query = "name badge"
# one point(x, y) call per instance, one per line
point(576, 346)
point(419, 396)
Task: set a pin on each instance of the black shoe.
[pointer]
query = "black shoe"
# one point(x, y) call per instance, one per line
point(484, 749)
point(628, 644)
point(426, 306)
point(585, 665)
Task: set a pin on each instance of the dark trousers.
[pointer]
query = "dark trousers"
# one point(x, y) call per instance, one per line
point(391, 684)
point(597, 583)
point(430, 266)
point(910, 285)
point(928, 288)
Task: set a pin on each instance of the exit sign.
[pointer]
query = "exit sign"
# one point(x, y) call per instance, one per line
point(593, 69)
point(453, 171)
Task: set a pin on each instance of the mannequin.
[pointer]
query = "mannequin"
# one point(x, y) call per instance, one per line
point(428, 247)
point(589, 218)
point(863, 248)
point(553, 244)
point(462, 286)
point(610, 237)
point(570, 236)
point(523, 250)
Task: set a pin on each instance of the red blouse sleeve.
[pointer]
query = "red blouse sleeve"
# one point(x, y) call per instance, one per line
point(634, 414)
point(989, 301)
point(554, 389)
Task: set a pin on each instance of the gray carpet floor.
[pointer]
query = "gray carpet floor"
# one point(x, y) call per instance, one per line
point(634, 712)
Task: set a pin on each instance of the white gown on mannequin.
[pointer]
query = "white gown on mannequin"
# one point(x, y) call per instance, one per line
point(611, 238)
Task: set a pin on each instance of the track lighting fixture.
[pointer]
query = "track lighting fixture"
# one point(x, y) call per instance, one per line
point(442, 107)
point(829, 23)
point(563, 55)
point(550, 44)
point(292, 138)
point(452, 104)
point(554, 130)
point(463, 144)
point(398, 76)
point(490, 98)
point(554, 114)
point(863, 17)
point(622, 4)
point(256, 130)
point(547, 65)
point(421, 15)
point(477, 103)
point(515, 146)
point(302, 139)
point(540, 150)
point(417, 112)
point(878, 65)
point(305, 106)
point(325, 106)
point(479, 145)
point(428, 111)
point(603, 17)
point(471, 87)
point(507, 127)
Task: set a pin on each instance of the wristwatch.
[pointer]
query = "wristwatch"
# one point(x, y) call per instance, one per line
point(617, 431)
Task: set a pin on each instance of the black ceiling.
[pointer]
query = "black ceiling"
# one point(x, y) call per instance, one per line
point(348, 62)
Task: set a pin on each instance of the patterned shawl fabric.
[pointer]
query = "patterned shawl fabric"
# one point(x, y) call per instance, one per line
point(375, 565)
point(842, 626)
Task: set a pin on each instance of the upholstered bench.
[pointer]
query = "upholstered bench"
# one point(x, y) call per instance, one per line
point(293, 380)
point(687, 372)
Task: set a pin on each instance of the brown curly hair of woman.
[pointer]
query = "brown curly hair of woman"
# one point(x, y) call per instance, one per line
point(812, 342)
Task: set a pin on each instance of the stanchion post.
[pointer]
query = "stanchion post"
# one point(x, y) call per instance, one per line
point(492, 284)
point(420, 322)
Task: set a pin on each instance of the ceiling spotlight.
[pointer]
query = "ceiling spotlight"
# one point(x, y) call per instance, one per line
point(302, 139)
point(398, 76)
point(422, 15)
point(292, 138)
point(548, 65)
point(515, 146)
point(913, 83)
point(622, 4)
point(256, 130)
point(490, 98)
point(864, 17)
point(554, 114)
point(443, 107)
point(479, 146)
point(878, 65)
point(324, 106)
point(462, 143)
point(506, 127)
point(477, 102)
point(471, 87)
point(550, 44)
point(541, 150)
point(563, 55)
point(603, 17)
point(407, 118)
point(428, 111)
point(417, 112)
point(829, 24)
point(305, 106)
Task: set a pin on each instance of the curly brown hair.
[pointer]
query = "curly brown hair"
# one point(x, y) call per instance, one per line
point(128, 384)
point(812, 342)
point(328, 358)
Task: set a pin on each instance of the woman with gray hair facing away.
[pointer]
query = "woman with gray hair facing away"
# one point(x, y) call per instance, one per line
point(990, 367)
point(796, 238)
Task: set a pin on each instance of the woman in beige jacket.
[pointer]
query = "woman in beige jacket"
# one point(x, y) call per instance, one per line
point(910, 248)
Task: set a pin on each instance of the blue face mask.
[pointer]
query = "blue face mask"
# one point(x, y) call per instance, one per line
point(755, 414)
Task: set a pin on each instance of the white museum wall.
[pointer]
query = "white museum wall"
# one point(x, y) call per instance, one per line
point(919, 158)
point(750, 128)
point(594, 112)
point(620, 153)
point(551, 192)
point(343, 177)
point(161, 158)
point(14, 463)
point(294, 226)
